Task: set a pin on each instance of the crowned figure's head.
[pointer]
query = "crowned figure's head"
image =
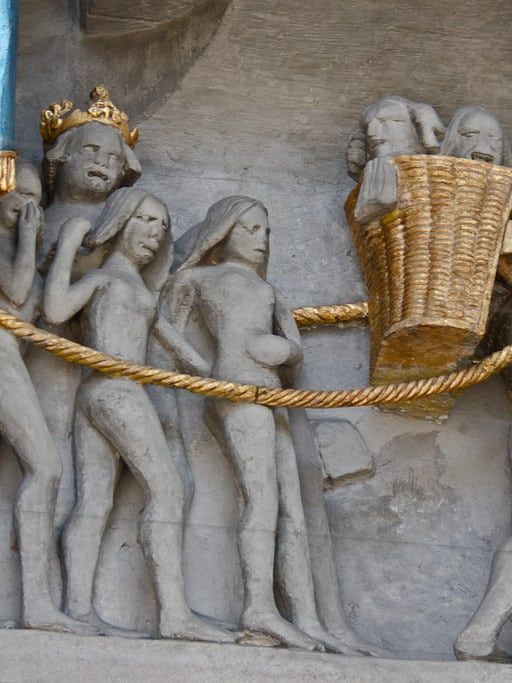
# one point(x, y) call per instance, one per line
point(88, 154)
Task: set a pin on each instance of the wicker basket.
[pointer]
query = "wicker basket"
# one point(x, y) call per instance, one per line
point(430, 266)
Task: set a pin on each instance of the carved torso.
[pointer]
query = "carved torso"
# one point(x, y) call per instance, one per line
point(118, 318)
point(237, 307)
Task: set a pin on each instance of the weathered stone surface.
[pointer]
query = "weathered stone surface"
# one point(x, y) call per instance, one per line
point(345, 455)
point(57, 60)
point(59, 658)
point(126, 16)
point(267, 111)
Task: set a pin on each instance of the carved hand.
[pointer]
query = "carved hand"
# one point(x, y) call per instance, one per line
point(29, 221)
point(272, 350)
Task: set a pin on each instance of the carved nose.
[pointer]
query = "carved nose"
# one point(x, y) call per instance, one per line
point(101, 159)
point(482, 156)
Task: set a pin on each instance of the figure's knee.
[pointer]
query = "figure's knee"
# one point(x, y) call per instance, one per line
point(40, 482)
point(260, 508)
point(94, 497)
point(165, 503)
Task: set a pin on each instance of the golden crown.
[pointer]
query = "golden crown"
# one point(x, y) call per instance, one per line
point(60, 117)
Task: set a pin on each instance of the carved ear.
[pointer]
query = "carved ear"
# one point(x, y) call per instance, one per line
point(53, 158)
point(430, 128)
point(356, 155)
point(58, 153)
point(132, 166)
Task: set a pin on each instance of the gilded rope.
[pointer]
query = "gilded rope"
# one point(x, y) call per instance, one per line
point(294, 398)
point(330, 315)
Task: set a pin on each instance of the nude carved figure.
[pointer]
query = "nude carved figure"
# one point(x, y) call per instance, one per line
point(115, 419)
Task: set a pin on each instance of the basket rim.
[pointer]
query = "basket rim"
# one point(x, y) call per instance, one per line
point(433, 158)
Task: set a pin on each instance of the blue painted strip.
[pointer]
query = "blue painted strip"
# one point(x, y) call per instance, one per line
point(8, 47)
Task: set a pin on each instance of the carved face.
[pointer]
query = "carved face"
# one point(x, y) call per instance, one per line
point(389, 130)
point(248, 240)
point(143, 233)
point(479, 137)
point(28, 188)
point(95, 162)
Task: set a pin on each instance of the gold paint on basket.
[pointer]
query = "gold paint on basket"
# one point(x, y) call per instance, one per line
point(430, 267)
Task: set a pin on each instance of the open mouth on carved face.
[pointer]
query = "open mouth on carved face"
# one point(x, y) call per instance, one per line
point(96, 173)
point(148, 249)
point(481, 156)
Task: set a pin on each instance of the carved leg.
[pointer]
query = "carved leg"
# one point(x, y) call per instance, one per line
point(125, 416)
point(23, 425)
point(325, 580)
point(56, 383)
point(295, 581)
point(247, 434)
point(167, 409)
point(478, 639)
point(97, 470)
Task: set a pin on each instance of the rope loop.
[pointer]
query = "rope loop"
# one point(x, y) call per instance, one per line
point(248, 393)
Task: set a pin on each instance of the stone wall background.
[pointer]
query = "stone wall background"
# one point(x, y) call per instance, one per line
point(266, 111)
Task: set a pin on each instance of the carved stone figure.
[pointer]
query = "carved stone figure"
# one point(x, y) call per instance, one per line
point(85, 160)
point(391, 126)
point(115, 420)
point(22, 423)
point(474, 133)
point(222, 286)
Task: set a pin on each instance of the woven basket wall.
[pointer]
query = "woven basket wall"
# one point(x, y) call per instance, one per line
point(430, 265)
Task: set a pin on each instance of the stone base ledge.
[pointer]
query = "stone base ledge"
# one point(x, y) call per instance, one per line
point(37, 657)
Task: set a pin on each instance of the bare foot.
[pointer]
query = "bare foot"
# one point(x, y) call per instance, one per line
point(106, 629)
point(227, 626)
point(347, 638)
point(273, 624)
point(315, 630)
point(195, 627)
point(476, 642)
point(49, 618)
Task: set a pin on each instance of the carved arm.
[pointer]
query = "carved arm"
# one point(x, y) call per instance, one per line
point(62, 300)
point(17, 276)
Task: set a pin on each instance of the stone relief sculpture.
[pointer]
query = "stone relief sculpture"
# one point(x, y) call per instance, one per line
point(22, 423)
point(88, 155)
point(110, 280)
point(393, 125)
point(222, 283)
point(474, 133)
point(115, 419)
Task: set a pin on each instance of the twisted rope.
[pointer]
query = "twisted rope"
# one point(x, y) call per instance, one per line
point(330, 315)
point(248, 393)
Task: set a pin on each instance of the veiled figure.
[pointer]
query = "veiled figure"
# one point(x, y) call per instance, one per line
point(115, 419)
point(222, 286)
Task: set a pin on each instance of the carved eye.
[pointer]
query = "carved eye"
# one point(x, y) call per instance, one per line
point(469, 133)
point(91, 148)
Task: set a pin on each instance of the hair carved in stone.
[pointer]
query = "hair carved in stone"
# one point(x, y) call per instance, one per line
point(115, 420)
point(254, 340)
point(393, 125)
